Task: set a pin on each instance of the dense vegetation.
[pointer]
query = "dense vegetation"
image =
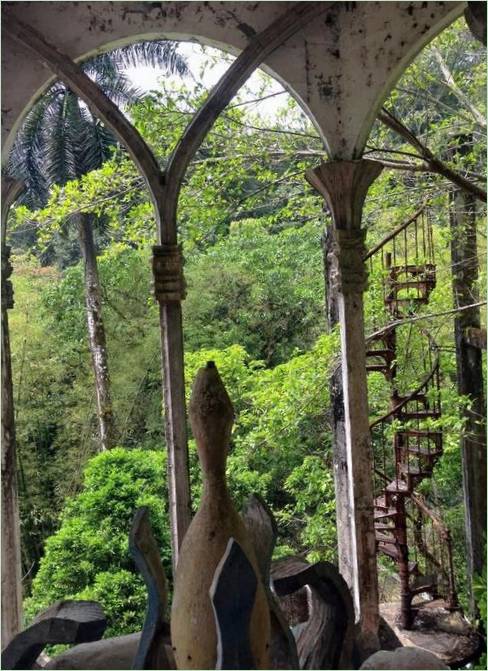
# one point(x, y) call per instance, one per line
point(251, 230)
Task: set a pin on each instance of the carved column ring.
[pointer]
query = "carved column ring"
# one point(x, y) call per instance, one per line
point(349, 249)
point(167, 266)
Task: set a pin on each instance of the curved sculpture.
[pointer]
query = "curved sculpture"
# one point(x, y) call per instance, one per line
point(193, 629)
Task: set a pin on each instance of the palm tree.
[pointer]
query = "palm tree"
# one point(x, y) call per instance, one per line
point(60, 140)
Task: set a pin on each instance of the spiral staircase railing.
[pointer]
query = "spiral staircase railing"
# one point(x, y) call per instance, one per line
point(406, 443)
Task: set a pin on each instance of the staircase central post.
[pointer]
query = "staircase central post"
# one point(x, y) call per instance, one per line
point(401, 537)
point(344, 185)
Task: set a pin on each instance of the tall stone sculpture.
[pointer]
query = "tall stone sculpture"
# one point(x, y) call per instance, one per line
point(193, 629)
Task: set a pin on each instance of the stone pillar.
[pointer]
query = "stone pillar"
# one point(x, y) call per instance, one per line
point(336, 396)
point(344, 185)
point(11, 559)
point(169, 290)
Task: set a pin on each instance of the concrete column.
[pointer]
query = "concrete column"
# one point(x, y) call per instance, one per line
point(336, 396)
point(344, 185)
point(169, 289)
point(10, 540)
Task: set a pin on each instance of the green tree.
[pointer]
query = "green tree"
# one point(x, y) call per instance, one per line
point(88, 557)
point(61, 140)
point(259, 289)
point(279, 449)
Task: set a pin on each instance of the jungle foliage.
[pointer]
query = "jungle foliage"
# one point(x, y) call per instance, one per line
point(251, 230)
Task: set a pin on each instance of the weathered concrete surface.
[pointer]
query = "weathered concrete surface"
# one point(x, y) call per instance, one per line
point(340, 67)
point(403, 658)
point(109, 653)
point(344, 185)
point(11, 584)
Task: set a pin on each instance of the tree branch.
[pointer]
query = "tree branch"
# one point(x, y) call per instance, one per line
point(259, 47)
point(415, 167)
point(434, 164)
point(454, 88)
point(401, 165)
point(438, 103)
point(433, 315)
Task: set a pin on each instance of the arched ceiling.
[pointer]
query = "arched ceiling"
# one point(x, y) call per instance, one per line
point(340, 67)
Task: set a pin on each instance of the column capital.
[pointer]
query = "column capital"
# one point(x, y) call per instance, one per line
point(344, 185)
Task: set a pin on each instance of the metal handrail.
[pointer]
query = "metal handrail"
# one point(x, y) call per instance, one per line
point(408, 398)
point(394, 233)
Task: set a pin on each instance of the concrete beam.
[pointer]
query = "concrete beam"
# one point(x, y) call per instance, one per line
point(340, 68)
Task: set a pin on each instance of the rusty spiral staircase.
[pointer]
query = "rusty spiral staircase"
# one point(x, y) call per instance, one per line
point(406, 441)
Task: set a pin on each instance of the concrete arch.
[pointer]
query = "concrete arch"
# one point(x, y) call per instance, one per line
point(339, 67)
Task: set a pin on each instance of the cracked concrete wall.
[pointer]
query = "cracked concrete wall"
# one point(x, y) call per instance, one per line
point(340, 67)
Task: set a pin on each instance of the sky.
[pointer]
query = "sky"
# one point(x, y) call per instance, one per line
point(207, 65)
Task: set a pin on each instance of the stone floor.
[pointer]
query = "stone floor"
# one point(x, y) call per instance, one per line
point(445, 633)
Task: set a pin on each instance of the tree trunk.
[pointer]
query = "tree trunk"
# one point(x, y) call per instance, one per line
point(96, 333)
point(464, 258)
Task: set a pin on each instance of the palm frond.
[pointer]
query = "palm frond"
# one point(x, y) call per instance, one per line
point(97, 143)
point(61, 140)
point(102, 64)
point(25, 160)
point(155, 53)
point(59, 150)
point(117, 87)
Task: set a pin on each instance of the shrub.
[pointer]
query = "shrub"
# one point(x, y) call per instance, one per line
point(88, 557)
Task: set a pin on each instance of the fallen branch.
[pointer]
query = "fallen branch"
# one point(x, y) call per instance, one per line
point(434, 164)
point(433, 315)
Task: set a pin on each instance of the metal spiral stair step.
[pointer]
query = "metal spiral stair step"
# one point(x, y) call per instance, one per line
point(390, 550)
point(419, 396)
point(421, 451)
point(385, 514)
point(378, 368)
point(398, 487)
point(420, 414)
point(415, 471)
point(414, 269)
point(409, 284)
point(423, 433)
point(384, 366)
point(412, 299)
point(427, 587)
point(385, 353)
point(428, 435)
point(386, 527)
point(383, 538)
